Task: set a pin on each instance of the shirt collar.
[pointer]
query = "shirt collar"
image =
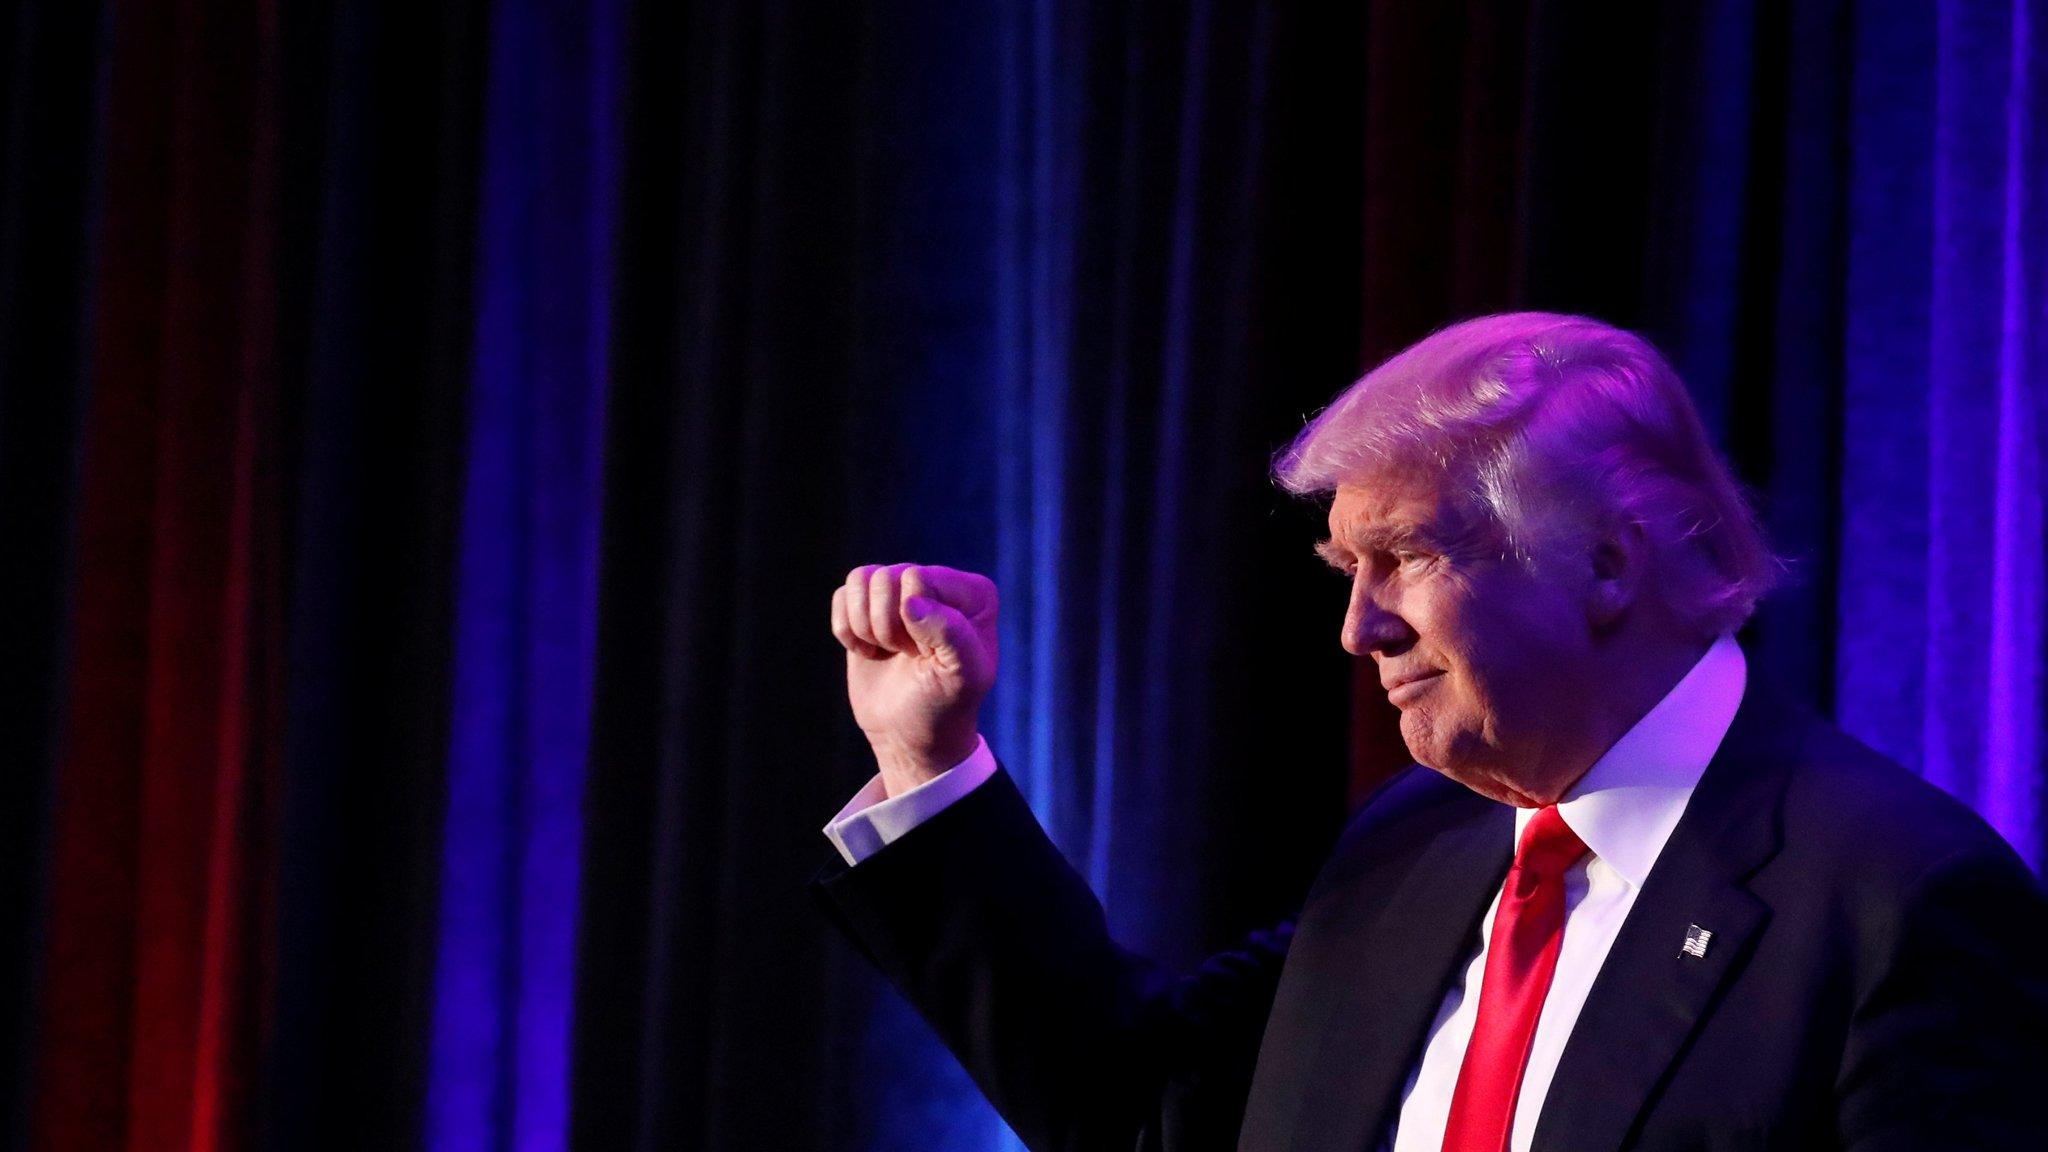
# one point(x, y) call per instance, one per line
point(1627, 803)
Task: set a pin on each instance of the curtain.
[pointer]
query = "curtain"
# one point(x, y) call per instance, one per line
point(1942, 656)
point(429, 439)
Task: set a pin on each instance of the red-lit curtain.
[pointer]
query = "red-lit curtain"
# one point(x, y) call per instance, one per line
point(154, 980)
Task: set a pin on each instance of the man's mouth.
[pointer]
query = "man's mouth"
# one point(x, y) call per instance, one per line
point(1406, 689)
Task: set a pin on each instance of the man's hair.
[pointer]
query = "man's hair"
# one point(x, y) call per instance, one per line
point(1538, 418)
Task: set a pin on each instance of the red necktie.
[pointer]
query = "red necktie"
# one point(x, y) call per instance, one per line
point(1528, 930)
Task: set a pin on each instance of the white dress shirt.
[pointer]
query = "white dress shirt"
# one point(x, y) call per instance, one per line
point(1623, 808)
point(872, 819)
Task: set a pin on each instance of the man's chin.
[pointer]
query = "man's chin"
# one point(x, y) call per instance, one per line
point(1484, 778)
point(1424, 745)
point(1486, 784)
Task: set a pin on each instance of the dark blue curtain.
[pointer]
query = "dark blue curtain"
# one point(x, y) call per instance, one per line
point(607, 337)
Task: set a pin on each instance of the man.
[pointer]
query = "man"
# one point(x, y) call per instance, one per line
point(1640, 902)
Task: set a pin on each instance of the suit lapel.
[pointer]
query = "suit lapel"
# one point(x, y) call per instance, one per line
point(1651, 994)
point(1372, 1011)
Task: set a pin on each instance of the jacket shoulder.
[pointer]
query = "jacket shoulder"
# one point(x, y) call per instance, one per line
point(1852, 803)
point(1399, 819)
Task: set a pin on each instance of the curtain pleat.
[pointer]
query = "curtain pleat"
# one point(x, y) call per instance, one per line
point(525, 577)
point(374, 256)
point(47, 111)
point(159, 932)
point(1941, 660)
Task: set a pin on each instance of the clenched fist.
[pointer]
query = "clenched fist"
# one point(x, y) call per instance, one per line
point(920, 655)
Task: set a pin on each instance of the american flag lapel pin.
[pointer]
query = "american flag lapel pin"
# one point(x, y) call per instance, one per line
point(1696, 940)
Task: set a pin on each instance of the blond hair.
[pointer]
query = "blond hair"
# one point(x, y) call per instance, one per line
point(1538, 417)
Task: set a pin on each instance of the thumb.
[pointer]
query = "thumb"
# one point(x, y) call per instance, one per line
point(937, 628)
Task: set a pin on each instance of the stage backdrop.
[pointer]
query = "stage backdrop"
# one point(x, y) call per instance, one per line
point(430, 435)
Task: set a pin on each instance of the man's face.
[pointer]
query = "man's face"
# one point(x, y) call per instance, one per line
point(1478, 650)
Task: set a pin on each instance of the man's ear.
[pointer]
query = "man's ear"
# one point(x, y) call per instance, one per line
point(1620, 559)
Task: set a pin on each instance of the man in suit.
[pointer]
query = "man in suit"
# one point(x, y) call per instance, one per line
point(1629, 897)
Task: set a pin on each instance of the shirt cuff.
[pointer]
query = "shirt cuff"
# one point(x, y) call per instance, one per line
point(873, 819)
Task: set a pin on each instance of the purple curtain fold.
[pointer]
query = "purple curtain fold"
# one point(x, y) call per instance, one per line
point(525, 613)
point(1943, 660)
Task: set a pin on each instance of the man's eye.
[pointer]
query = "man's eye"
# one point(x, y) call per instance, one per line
point(1405, 557)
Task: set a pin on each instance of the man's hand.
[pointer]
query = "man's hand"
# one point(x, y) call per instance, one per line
point(920, 654)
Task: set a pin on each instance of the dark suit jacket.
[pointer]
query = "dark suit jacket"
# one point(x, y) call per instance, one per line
point(1877, 976)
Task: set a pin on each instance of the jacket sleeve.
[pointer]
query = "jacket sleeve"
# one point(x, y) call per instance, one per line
point(1948, 1048)
point(980, 922)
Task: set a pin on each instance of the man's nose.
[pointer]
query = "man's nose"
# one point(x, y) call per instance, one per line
point(1370, 626)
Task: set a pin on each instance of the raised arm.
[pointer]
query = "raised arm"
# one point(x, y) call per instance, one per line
point(976, 917)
